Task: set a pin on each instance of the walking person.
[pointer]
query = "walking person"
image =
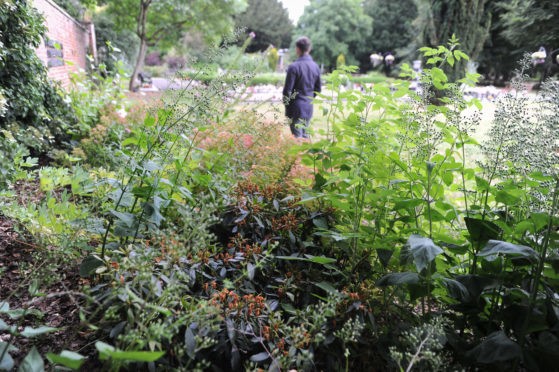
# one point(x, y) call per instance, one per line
point(301, 84)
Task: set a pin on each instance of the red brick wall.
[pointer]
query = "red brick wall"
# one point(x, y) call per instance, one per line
point(73, 37)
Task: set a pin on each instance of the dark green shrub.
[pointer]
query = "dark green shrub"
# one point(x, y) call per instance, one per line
point(34, 111)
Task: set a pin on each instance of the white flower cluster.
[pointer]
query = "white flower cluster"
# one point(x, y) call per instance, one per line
point(539, 57)
point(541, 54)
point(376, 59)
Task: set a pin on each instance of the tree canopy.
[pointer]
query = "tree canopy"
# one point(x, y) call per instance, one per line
point(165, 21)
point(438, 20)
point(336, 27)
point(269, 21)
point(531, 23)
point(392, 23)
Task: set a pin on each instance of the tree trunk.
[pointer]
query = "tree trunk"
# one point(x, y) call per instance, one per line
point(141, 32)
point(139, 65)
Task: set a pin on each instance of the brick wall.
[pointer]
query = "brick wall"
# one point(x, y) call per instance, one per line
point(73, 37)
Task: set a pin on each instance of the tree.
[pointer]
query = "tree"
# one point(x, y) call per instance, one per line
point(336, 27)
point(269, 21)
point(76, 8)
point(165, 21)
point(531, 23)
point(499, 56)
point(393, 23)
point(125, 41)
point(438, 20)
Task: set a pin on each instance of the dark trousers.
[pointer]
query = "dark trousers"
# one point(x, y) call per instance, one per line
point(299, 127)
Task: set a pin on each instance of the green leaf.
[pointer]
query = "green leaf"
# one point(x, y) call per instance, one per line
point(151, 166)
point(327, 287)
point(438, 75)
point(398, 279)
point(251, 270)
point(482, 184)
point(260, 357)
point(456, 289)
point(497, 347)
point(494, 247)
point(32, 362)
point(430, 166)
point(320, 259)
point(384, 255)
point(540, 220)
point(190, 342)
point(6, 363)
point(476, 284)
point(6, 327)
point(125, 198)
point(127, 218)
point(67, 358)
point(32, 332)
point(507, 197)
point(408, 203)
point(448, 178)
point(423, 251)
point(106, 351)
point(89, 265)
point(481, 230)
point(18, 313)
point(459, 54)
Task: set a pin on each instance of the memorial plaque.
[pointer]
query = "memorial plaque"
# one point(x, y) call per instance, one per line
point(55, 62)
point(55, 53)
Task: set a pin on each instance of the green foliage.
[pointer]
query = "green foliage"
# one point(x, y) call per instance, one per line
point(530, 23)
point(439, 20)
point(92, 92)
point(124, 42)
point(76, 8)
point(265, 79)
point(273, 58)
point(204, 251)
point(33, 110)
point(422, 346)
point(397, 174)
point(340, 61)
point(270, 23)
point(392, 22)
point(164, 23)
point(335, 27)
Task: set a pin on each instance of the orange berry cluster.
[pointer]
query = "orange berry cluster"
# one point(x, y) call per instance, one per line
point(249, 188)
point(246, 249)
point(360, 295)
point(271, 330)
point(285, 223)
point(228, 301)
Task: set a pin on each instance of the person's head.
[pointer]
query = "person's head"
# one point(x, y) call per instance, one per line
point(303, 45)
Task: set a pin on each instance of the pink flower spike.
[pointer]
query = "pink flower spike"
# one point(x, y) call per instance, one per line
point(252, 35)
point(247, 140)
point(127, 130)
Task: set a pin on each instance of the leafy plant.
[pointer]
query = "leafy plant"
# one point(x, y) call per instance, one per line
point(33, 109)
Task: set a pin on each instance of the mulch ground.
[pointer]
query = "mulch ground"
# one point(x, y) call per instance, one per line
point(59, 301)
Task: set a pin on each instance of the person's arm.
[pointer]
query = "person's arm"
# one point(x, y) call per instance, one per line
point(289, 85)
point(317, 85)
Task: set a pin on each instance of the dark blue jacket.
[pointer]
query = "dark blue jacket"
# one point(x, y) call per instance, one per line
point(303, 78)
